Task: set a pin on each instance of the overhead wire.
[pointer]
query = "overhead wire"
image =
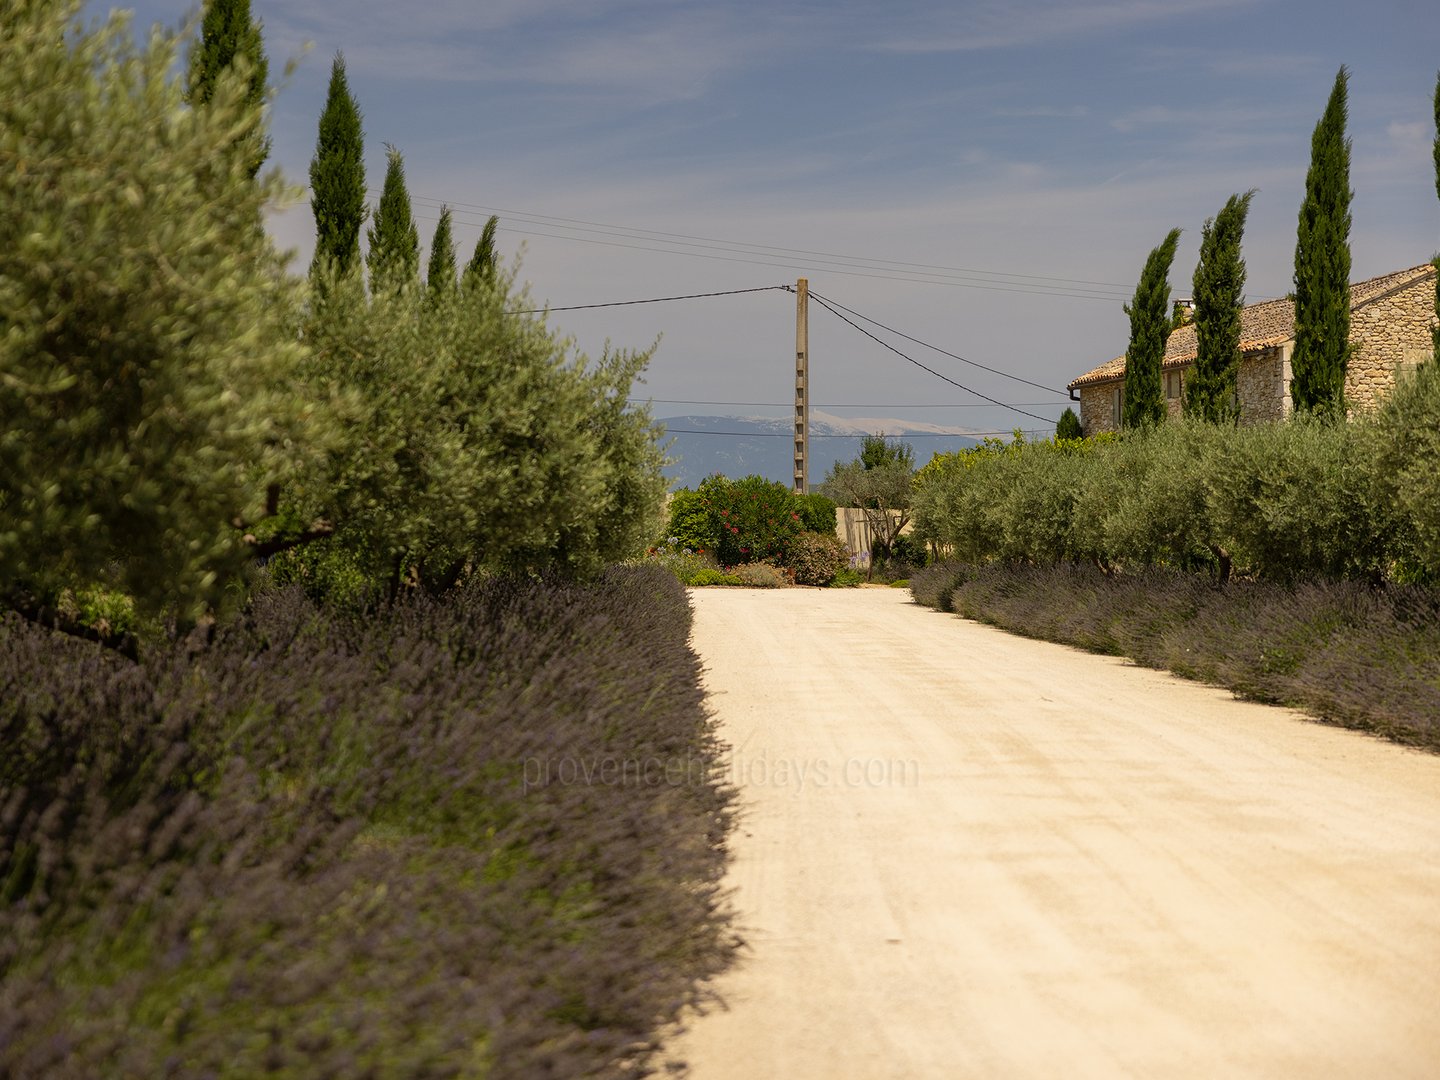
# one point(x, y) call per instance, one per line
point(652, 300)
point(799, 259)
point(833, 405)
point(552, 221)
point(816, 435)
point(924, 367)
point(937, 348)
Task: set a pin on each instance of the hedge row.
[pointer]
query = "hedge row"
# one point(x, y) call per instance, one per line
point(1282, 502)
point(1340, 650)
point(473, 837)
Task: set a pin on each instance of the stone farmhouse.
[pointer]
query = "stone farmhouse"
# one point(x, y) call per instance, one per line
point(1390, 321)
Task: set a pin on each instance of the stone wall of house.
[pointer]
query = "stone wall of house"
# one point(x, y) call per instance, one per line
point(1175, 379)
point(1263, 386)
point(1097, 408)
point(1388, 336)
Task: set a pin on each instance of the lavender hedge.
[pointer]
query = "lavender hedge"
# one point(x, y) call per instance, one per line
point(1342, 651)
point(477, 836)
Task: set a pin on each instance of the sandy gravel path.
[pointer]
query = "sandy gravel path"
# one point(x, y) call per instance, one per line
point(966, 854)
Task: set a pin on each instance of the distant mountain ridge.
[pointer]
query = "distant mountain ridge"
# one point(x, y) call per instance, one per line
point(762, 446)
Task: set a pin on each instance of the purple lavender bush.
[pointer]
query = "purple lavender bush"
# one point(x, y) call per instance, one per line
point(478, 835)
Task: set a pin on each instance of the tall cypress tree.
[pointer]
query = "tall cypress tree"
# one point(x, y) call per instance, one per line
point(485, 261)
point(337, 176)
point(228, 32)
point(1068, 426)
point(394, 255)
point(1435, 333)
point(1322, 266)
point(440, 276)
point(1219, 289)
point(1149, 313)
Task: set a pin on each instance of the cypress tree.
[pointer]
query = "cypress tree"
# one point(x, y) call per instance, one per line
point(1149, 313)
point(394, 255)
point(1435, 333)
point(1068, 426)
point(1219, 288)
point(441, 274)
point(337, 176)
point(482, 265)
point(1322, 266)
point(228, 32)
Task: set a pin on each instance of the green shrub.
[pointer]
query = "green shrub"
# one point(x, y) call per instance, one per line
point(505, 452)
point(1405, 450)
point(1296, 500)
point(817, 513)
point(906, 550)
point(847, 578)
point(148, 356)
point(1068, 426)
point(691, 523)
point(761, 575)
point(709, 575)
point(757, 519)
point(815, 558)
point(1286, 501)
point(1150, 501)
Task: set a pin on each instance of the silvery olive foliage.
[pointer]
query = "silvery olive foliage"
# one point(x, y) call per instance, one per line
point(147, 325)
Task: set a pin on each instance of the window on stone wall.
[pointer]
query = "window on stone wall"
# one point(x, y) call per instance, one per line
point(1172, 385)
point(1409, 363)
point(1118, 403)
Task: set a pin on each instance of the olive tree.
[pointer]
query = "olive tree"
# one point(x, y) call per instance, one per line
point(474, 439)
point(878, 483)
point(147, 327)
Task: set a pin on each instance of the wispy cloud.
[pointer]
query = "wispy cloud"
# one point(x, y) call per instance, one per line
point(644, 51)
point(1044, 112)
point(1015, 25)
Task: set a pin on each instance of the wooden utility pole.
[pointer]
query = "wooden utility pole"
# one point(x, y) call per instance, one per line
point(802, 387)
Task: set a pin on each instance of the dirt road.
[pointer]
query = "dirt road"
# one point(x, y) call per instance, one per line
point(965, 854)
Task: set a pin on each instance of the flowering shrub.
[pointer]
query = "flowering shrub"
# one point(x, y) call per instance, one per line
point(757, 519)
point(684, 562)
point(761, 575)
point(815, 558)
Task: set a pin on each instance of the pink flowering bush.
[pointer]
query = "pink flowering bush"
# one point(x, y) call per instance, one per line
point(755, 519)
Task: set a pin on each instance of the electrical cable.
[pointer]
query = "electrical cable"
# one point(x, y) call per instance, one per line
point(924, 367)
point(830, 405)
point(653, 300)
point(891, 270)
point(815, 435)
point(936, 348)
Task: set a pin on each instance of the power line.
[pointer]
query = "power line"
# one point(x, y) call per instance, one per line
point(945, 378)
point(942, 352)
point(769, 250)
point(814, 435)
point(786, 258)
point(828, 405)
point(653, 300)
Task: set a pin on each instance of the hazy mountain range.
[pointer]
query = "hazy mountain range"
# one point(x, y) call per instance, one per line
point(764, 446)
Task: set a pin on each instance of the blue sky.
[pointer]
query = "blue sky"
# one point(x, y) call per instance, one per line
point(986, 177)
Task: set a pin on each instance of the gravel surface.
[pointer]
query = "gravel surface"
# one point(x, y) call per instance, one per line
point(967, 854)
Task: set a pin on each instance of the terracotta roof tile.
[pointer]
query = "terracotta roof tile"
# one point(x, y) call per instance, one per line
point(1262, 326)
